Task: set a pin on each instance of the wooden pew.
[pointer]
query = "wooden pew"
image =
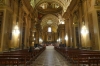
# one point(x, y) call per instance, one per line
point(24, 56)
point(28, 55)
point(80, 57)
point(94, 61)
point(19, 57)
point(85, 58)
point(9, 61)
point(13, 60)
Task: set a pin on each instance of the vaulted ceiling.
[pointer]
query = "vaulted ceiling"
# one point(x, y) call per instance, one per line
point(50, 12)
point(50, 21)
point(62, 3)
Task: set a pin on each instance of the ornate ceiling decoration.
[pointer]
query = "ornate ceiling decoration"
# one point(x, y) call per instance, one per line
point(50, 20)
point(63, 3)
point(47, 9)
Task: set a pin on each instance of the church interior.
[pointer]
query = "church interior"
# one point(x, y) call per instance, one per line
point(50, 32)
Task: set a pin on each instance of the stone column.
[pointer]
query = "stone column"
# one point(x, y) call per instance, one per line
point(61, 30)
point(37, 35)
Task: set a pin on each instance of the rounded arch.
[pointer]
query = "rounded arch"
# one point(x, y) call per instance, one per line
point(50, 20)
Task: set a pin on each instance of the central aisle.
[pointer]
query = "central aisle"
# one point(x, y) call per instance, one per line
point(50, 58)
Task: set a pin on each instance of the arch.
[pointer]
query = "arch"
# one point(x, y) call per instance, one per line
point(50, 20)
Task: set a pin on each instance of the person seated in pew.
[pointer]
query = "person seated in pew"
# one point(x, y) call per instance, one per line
point(37, 48)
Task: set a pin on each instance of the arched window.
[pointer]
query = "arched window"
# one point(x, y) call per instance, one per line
point(49, 29)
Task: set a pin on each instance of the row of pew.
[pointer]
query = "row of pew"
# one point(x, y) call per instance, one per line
point(19, 57)
point(79, 57)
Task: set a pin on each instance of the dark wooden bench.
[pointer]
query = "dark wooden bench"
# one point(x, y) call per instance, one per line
point(9, 61)
point(94, 61)
point(80, 57)
point(13, 60)
point(24, 57)
point(19, 57)
point(85, 59)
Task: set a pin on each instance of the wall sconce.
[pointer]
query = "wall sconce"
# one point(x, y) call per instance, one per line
point(33, 35)
point(33, 38)
point(66, 37)
point(40, 40)
point(84, 31)
point(62, 22)
point(58, 40)
point(16, 30)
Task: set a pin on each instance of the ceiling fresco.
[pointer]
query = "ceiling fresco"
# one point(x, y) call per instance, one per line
point(50, 12)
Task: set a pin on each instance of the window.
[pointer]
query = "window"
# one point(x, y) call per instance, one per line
point(49, 29)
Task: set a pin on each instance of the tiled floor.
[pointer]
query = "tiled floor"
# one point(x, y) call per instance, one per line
point(50, 58)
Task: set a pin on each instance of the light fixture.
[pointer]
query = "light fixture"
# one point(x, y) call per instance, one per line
point(40, 40)
point(34, 39)
point(16, 30)
point(59, 39)
point(62, 22)
point(66, 37)
point(84, 31)
point(33, 35)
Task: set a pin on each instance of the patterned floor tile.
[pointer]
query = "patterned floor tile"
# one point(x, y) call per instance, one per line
point(50, 57)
